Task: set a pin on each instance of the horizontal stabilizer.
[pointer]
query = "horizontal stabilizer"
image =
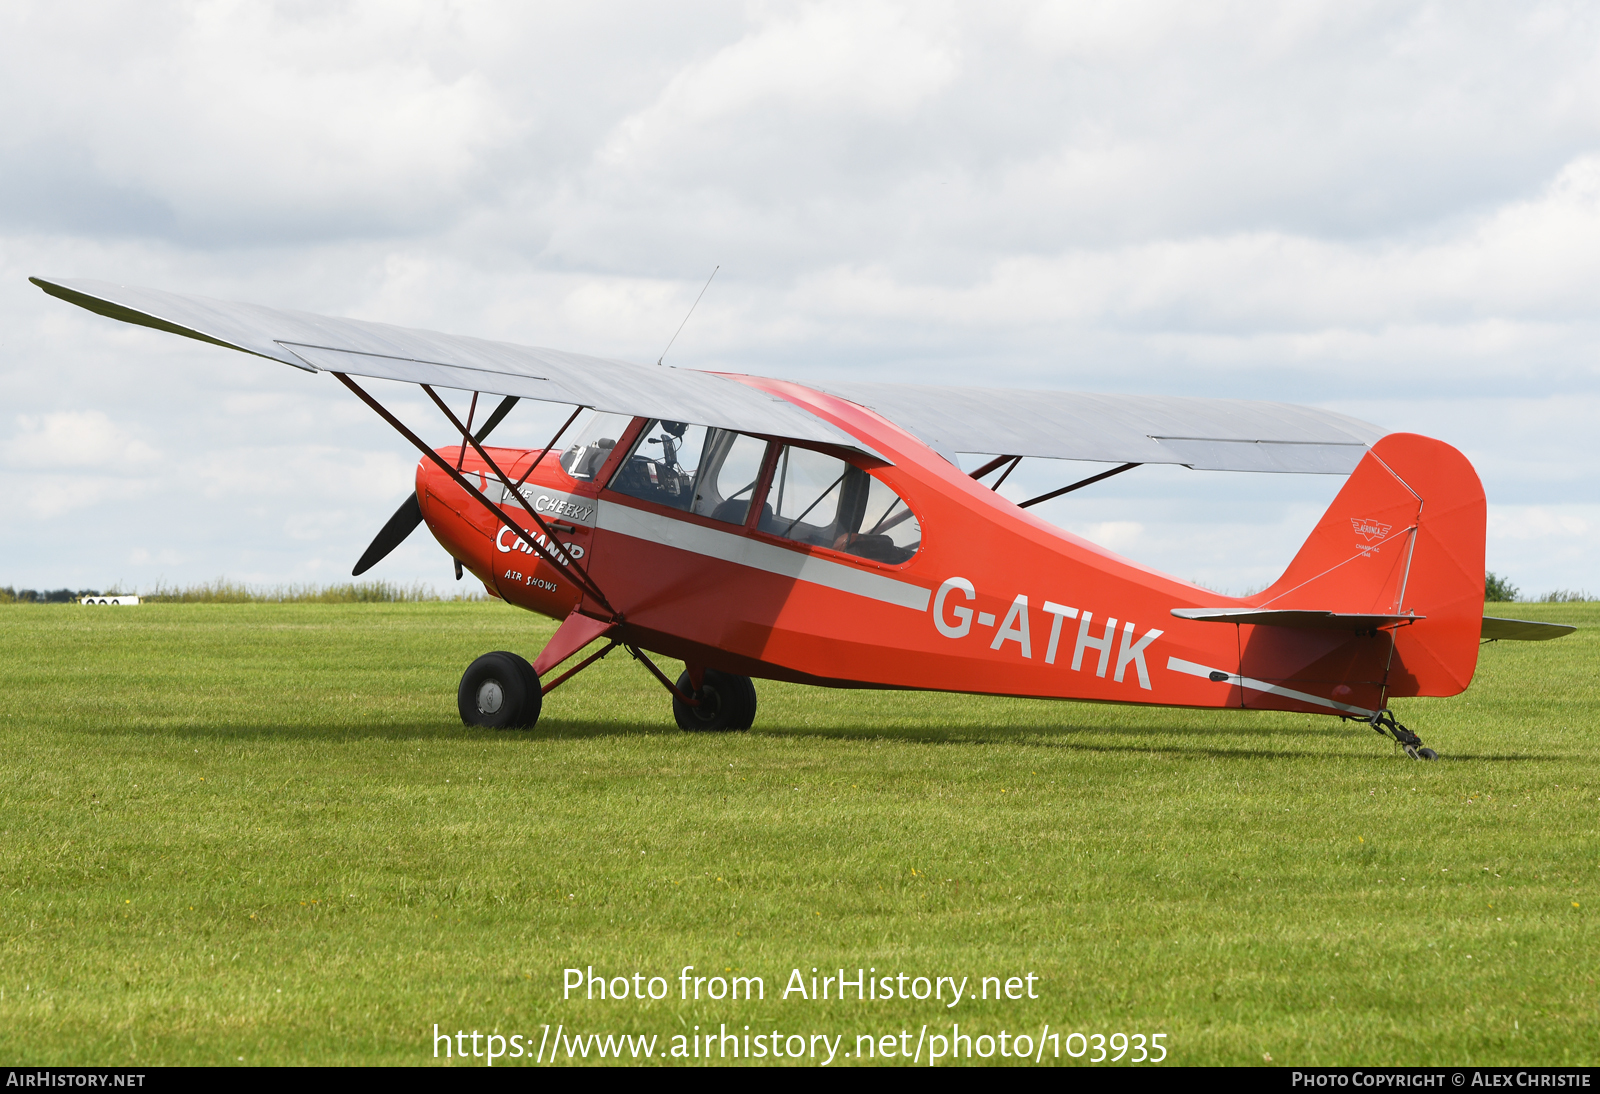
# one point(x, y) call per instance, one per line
point(1300, 619)
point(1522, 630)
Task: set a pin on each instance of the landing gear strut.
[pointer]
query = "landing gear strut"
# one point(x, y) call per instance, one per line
point(1383, 723)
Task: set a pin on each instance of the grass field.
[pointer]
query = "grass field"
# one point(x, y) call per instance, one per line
point(260, 832)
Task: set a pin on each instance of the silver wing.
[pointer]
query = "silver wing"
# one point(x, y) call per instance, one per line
point(1207, 434)
point(359, 348)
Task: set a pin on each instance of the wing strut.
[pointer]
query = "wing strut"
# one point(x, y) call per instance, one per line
point(1006, 474)
point(409, 515)
point(1079, 485)
point(581, 577)
point(461, 456)
point(992, 464)
point(572, 564)
point(461, 453)
point(546, 450)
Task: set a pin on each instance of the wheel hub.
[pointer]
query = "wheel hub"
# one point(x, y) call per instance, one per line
point(710, 704)
point(490, 697)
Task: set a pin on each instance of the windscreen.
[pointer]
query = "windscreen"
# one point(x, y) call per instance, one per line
point(596, 439)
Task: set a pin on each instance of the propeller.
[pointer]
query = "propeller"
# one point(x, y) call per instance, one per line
point(409, 515)
point(402, 524)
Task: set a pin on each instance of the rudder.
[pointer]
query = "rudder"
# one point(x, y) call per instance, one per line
point(1404, 536)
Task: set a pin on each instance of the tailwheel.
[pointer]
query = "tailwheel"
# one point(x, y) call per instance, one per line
point(499, 690)
point(1383, 723)
point(727, 703)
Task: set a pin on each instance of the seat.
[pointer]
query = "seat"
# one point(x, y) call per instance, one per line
point(731, 511)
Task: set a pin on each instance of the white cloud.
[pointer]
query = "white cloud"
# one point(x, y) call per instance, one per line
point(1530, 262)
point(833, 60)
point(1122, 536)
point(1540, 522)
point(74, 440)
point(249, 119)
point(1541, 548)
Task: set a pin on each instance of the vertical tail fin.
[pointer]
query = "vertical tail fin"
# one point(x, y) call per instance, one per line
point(1404, 536)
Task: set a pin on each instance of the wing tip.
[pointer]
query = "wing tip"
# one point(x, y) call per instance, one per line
point(53, 286)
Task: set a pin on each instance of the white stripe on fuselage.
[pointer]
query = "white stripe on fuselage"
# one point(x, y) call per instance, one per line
point(1190, 668)
point(745, 551)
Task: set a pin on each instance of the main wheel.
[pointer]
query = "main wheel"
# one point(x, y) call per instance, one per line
point(499, 691)
point(1427, 754)
point(727, 702)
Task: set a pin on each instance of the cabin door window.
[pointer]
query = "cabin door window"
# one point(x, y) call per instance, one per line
point(823, 501)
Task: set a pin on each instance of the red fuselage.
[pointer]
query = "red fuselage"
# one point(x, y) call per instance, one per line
point(994, 600)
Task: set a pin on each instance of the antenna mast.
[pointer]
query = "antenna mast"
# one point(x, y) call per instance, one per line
point(692, 307)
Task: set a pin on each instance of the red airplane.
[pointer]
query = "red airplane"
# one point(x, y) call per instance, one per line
point(760, 529)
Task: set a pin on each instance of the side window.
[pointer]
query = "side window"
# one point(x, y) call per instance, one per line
point(738, 462)
point(595, 441)
point(890, 531)
point(824, 501)
point(700, 470)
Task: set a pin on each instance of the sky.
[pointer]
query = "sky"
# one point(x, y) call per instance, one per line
point(1387, 209)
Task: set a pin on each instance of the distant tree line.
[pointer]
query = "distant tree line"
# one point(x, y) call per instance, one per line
point(223, 591)
point(8, 595)
point(1497, 589)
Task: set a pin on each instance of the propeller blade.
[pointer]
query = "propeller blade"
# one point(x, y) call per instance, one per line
point(402, 524)
point(409, 515)
point(496, 418)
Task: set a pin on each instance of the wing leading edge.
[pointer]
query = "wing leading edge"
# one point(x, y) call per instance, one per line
point(322, 343)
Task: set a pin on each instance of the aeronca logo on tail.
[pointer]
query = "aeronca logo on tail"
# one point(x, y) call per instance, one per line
point(1371, 529)
point(955, 620)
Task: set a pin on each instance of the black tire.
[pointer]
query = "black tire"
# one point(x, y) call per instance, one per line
point(499, 690)
point(727, 703)
point(1427, 754)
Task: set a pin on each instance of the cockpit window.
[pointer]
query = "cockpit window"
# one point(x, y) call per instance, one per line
point(824, 501)
point(595, 441)
point(738, 469)
point(709, 472)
